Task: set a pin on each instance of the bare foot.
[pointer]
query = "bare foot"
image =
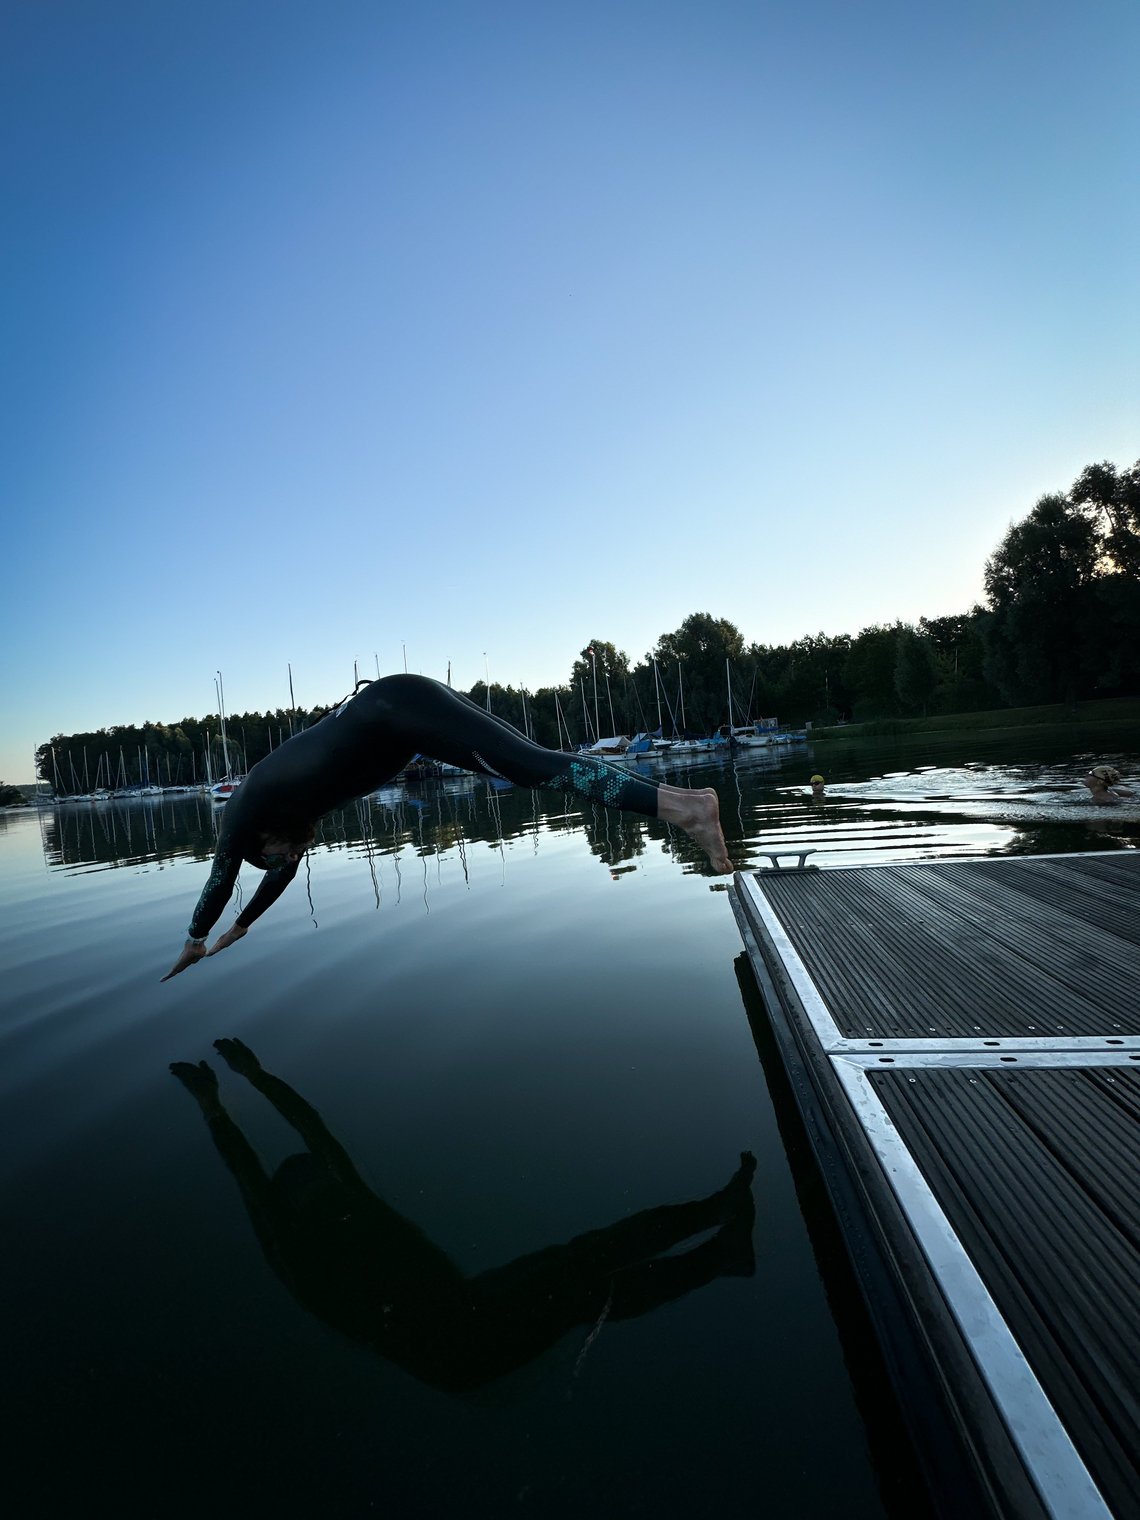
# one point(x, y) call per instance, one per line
point(698, 813)
point(742, 1177)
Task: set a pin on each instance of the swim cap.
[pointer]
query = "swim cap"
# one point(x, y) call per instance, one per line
point(1107, 773)
point(814, 779)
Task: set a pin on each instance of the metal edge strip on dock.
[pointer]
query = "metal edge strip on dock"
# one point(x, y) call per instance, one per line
point(817, 1011)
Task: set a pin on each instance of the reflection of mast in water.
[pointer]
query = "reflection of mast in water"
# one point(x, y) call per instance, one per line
point(364, 816)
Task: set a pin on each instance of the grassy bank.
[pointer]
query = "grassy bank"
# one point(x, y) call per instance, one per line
point(1111, 711)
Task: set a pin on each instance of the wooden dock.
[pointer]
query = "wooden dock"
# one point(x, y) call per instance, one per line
point(963, 1042)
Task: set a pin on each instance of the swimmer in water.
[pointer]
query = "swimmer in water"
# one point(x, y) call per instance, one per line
point(817, 785)
point(1102, 781)
point(270, 821)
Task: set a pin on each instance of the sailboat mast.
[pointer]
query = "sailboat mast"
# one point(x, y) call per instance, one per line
point(222, 721)
point(657, 689)
point(728, 678)
point(681, 695)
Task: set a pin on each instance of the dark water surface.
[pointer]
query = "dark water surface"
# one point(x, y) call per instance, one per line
point(522, 1024)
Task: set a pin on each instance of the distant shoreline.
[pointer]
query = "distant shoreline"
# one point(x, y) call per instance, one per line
point(1106, 711)
point(1109, 711)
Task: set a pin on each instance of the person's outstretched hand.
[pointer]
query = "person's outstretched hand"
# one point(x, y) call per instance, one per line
point(238, 1057)
point(230, 937)
point(200, 1080)
point(190, 953)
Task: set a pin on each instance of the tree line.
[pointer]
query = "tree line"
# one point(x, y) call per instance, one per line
point(1061, 621)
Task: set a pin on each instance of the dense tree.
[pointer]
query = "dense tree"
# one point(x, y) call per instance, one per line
point(183, 754)
point(9, 795)
point(1112, 499)
point(959, 648)
point(700, 647)
point(1037, 582)
point(916, 671)
point(870, 672)
point(1111, 644)
point(598, 684)
point(803, 680)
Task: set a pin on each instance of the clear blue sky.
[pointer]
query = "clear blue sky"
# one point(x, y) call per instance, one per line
point(486, 329)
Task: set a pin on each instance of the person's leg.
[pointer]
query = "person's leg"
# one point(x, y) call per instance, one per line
point(629, 1242)
point(436, 721)
point(619, 1271)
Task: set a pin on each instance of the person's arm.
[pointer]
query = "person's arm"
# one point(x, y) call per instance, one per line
point(270, 888)
point(272, 884)
point(215, 895)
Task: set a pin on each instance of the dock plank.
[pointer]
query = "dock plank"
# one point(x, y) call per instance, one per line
point(1028, 1203)
point(935, 956)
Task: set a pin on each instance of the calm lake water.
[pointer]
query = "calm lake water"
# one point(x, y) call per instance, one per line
point(522, 1022)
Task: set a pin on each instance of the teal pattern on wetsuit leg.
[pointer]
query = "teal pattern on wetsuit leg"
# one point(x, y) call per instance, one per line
point(604, 783)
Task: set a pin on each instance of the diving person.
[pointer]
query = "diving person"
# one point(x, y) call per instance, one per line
point(355, 748)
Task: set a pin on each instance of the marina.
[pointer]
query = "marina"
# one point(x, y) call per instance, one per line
point(963, 1041)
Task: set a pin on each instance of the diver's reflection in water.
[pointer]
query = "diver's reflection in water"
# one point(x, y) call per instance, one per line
point(358, 1265)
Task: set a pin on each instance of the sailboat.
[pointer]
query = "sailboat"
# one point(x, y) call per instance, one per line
point(222, 790)
point(750, 735)
point(681, 743)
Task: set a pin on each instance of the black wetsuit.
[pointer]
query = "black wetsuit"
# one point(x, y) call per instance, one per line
point(366, 742)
